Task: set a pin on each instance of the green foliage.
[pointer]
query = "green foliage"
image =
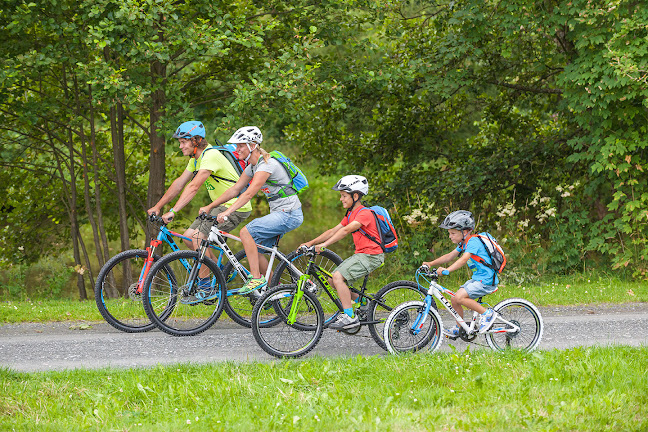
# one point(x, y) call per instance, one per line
point(577, 389)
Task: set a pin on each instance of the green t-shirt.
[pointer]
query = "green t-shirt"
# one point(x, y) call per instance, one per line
point(219, 166)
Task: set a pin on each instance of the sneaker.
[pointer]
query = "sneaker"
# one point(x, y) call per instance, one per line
point(452, 332)
point(204, 291)
point(486, 321)
point(344, 322)
point(253, 284)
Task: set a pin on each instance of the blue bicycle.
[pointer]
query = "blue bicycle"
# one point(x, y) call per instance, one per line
point(118, 290)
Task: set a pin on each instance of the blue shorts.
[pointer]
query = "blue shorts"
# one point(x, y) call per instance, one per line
point(476, 289)
point(264, 230)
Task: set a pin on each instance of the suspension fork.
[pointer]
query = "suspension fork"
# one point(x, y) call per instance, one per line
point(195, 269)
point(292, 315)
point(148, 262)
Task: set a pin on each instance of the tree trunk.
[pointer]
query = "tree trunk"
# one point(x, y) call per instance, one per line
point(156, 159)
point(95, 169)
point(117, 132)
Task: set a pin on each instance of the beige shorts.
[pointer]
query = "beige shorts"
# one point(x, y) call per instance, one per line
point(358, 266)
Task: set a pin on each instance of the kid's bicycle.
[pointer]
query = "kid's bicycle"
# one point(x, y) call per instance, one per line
point(118, 290)
point(416, 324)
point(288, 320)
point(186, 291)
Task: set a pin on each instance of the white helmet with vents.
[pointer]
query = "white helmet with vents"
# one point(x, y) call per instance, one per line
point(247, 135)
point(352, 183)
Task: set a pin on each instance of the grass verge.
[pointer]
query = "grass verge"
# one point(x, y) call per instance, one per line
point(576, 389)
point(549, 291)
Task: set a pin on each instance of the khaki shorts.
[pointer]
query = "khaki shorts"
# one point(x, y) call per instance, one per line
point(232, 221)
point(358, 266)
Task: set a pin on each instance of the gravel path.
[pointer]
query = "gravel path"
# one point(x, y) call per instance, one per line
point(67, 345)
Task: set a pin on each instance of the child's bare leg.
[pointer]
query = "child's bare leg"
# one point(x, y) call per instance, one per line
point(463, 299)
point(353, 295)
point(342, 289)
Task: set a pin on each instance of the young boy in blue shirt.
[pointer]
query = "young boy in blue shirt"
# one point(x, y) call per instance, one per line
point(484, 280)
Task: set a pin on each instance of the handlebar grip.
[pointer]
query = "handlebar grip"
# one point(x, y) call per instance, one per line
point(445, 272)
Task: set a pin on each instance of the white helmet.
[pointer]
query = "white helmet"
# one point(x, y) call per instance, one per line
point(247, 134)
point(352, 183)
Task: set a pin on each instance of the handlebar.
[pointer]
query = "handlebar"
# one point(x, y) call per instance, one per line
point(154, 218)
point(427, 271)
point(307, 250)
point(206, 217)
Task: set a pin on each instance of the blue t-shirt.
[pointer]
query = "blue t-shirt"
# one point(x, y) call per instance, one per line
point(480, 271)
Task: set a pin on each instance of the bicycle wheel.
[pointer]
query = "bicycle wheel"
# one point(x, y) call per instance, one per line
point(116, 294)
point(173, 304)
point(399, 334)
point(391, 295)
point(328, 261)
point(283, 339)
point(239, 307)
point(523, 314)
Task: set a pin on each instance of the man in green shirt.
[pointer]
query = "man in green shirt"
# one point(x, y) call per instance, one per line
point(206, 166)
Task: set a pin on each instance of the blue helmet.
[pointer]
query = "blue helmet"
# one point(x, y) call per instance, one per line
point(190, 129)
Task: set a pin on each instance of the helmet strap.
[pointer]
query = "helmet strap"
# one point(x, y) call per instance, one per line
point(250, 152)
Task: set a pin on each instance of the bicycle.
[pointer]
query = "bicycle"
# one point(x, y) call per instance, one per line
point(181, 302)
point(118, 290)
point(288, 320)
point(417, 324)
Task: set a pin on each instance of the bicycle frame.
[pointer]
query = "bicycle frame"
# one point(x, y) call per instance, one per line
point(323, 276)
point(164, 236)
point(436, 290)
point(216, 240)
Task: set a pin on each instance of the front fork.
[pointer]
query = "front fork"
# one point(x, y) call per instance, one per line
point(422, 317)
point(292, 315)
point(147, 264)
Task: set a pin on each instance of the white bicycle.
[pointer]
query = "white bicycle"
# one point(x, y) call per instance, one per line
point(415, 325)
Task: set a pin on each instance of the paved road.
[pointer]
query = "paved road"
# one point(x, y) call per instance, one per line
point(57, 346)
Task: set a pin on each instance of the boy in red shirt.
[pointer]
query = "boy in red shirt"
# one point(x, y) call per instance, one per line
point(368, 253)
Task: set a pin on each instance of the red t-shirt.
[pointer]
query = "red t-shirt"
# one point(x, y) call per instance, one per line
point(362, 243)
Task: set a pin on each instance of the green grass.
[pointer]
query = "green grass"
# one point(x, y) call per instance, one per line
point(576, 389)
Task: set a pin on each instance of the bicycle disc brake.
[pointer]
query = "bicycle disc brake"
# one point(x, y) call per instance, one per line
point(133, 294)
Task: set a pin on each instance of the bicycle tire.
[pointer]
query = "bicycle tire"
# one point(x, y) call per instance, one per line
point(239, 307)
point(522, 313)
point(399, 336)
point(327, 260)
point(392, 294)
point(122, 307)
point(284, 340)
point(167, 297)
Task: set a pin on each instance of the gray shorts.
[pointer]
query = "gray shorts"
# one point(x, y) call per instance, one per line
point(476, 289)
point(358, 266)
point(232, 221)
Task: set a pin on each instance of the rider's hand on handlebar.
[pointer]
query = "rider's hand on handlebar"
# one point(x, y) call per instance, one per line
point(203, 211)
point(168, 217)
point(318, 248)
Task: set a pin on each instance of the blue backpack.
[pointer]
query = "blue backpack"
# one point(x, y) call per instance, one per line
point(298, 182)
point(388, 238)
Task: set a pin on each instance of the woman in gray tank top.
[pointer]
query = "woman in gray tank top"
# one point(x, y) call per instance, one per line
point(268, 175)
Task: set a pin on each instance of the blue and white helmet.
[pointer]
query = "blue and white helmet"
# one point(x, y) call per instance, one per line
point(190, 129)
point(247, 135)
